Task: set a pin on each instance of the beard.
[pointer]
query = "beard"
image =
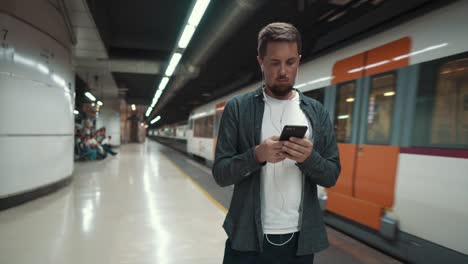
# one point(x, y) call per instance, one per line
point(281, 90)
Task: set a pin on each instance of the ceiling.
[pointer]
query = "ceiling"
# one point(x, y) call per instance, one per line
point(222, 56)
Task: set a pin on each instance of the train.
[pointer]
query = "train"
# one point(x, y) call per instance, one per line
point(173, 131)
point(399, 104)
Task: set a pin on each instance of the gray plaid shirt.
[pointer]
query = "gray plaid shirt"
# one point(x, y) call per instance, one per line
point(239, 133)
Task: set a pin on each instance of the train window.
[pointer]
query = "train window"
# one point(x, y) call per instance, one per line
point(203, 127)
point(345, 96)
point(218, 114)
point(441, 117)
point(198, 127)
point(380, 109)
point(317, 94)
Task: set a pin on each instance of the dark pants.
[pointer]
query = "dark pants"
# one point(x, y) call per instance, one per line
point(271, 254)
point(108, 149)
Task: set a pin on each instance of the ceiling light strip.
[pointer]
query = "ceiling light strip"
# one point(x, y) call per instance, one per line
point(190, 27)
point(90, 96)
point(173, 63)
point(148, 112)
point(156, 119)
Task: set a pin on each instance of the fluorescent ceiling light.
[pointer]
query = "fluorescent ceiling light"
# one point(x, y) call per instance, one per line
point(156, 119)
point(389, 94)
point(186, 36)
point(99, 103)
point(155, 101)
point(148, 112)
point(158, 94)
point(133, 107)
point(173, 63)
point(90, 96)
point(343, 117)
point(163, 83)
point(349, 100)
point(198, 11)
point(76, 112)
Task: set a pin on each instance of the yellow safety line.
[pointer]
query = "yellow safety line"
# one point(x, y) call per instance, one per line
point(212, 200)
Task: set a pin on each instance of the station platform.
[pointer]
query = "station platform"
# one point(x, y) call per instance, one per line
point(148, 204)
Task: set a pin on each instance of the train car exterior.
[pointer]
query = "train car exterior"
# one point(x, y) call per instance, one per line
point(203, 126)
point(399, 102)
point(174, 131)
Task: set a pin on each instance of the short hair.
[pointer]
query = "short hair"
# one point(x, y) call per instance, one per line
point(277, 32)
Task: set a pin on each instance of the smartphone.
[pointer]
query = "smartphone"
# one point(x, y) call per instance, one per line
point(293, 131)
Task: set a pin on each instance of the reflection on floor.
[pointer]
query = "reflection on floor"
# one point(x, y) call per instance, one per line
point(135, 207)
point(149, 204)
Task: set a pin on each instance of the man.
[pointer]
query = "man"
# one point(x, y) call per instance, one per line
point(106, 145)
point(274, 216)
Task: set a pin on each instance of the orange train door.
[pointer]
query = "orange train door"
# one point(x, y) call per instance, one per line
point(366, 126)
point(367, 182)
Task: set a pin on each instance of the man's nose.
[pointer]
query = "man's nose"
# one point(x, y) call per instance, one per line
point(282, 69)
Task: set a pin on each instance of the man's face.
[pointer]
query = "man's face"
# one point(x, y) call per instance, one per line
point(280, 66)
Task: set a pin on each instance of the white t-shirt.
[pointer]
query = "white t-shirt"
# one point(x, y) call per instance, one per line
point(281, 183)
point(105, 141)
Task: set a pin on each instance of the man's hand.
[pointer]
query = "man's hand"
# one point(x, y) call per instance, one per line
point(270, 150)
point(297, 149)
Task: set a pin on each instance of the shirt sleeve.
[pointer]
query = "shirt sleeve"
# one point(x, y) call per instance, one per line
point(323, 167)
point(230, 166)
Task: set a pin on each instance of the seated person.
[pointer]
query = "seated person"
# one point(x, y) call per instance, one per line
point(93, 144)
point(107, 146)
point(100, 135)
point(87, 150)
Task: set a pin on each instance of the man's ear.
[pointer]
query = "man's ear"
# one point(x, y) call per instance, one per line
point(260, 62)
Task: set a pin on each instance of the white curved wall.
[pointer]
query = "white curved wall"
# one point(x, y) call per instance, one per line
point(36, 97)
point(43, 14)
